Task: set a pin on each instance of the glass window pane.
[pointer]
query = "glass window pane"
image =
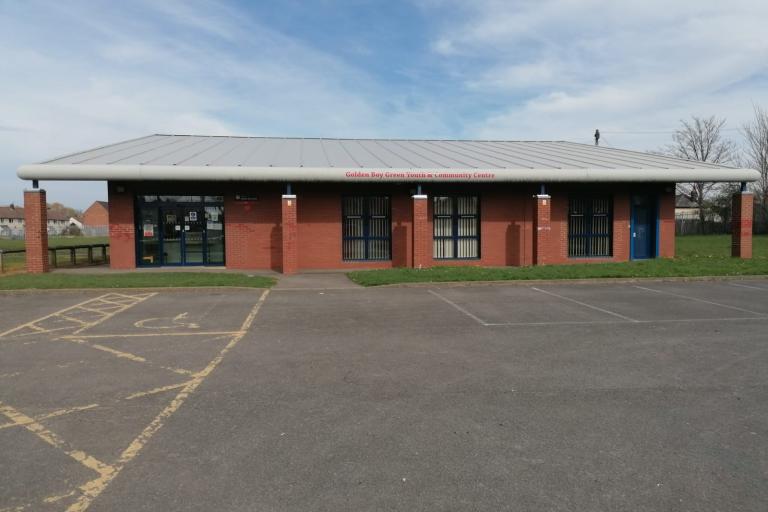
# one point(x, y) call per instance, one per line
point(366, 228)
point(590, 227)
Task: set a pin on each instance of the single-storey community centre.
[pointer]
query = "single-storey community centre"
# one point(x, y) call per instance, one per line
point(293, 204)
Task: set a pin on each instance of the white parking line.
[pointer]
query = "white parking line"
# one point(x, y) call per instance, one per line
point(696, 299)
point(750, 287)
point(617, 322)
point(459, 308)
point(590, 306)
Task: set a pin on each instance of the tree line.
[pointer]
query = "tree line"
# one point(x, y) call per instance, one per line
point(702, 139)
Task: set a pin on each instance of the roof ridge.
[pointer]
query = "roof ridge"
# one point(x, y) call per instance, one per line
point(396, 139)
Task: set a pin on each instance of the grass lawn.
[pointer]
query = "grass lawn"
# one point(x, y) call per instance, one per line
point(132, 280)
point(16, 262)
point(696, 256)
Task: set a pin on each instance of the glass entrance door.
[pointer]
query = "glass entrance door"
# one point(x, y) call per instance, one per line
point(172, 235)
point(193, 236)
point(180, 230)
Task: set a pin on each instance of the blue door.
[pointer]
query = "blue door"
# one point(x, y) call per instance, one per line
point(643, 227)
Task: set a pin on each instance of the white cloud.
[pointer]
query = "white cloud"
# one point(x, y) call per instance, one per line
point(88, 74)
point(568, 66)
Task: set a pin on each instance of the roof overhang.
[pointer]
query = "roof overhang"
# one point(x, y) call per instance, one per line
point(115, 172)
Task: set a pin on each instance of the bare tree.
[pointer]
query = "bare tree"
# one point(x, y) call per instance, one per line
point(701, 139)
point(756, 138)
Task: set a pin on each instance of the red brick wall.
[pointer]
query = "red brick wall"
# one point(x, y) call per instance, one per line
point(741, 233)
point(252, 233)
point(506, 224)
point(288, 233)
point(36, 231)
point(422, 233)
point(96, 215)
point(621, 221)
point(667, 222)
point(544, 245)
point(319, 225)
point(122, 231)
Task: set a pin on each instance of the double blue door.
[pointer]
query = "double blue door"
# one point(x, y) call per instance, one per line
point(643, 226)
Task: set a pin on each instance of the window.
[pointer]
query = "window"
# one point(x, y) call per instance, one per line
point(590, 227)
point(366, 228)
point(456, 227)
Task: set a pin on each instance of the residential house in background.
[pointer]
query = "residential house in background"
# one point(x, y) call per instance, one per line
point(12, 221)
point(685, 208)
point(96, 215)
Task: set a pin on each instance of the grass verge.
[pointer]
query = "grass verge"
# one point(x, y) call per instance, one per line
point(697, 256)
point(132, 280)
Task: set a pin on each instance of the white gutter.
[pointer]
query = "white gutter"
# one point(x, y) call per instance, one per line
point(114, 172)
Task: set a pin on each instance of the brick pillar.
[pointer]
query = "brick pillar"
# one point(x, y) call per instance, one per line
point(289, 235)
point(122, 228)
point(542, 230)
point(421, 236)
point(36, 231)
point(667, 223)
point(741, 231)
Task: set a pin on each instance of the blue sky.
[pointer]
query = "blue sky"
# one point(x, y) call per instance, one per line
point(78, 74)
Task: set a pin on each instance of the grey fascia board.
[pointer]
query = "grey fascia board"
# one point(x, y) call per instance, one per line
point(115, 172)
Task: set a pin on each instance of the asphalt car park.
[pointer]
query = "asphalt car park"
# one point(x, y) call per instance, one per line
point(622, 396)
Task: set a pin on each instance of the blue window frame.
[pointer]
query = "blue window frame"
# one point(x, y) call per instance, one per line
point(366, 228)
point(456, 227)
point(590, 227)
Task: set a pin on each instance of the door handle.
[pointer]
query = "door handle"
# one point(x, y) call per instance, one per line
point(634, 234)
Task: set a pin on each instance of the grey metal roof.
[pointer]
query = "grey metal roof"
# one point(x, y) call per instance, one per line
point(267, 158)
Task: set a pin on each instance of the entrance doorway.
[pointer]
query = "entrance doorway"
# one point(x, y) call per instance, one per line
point(643, 227)
point(180, 230)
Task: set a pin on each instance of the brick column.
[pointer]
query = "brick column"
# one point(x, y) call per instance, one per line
point(667, 223)
point(122, 228)
point(542, 230)
point(289, 235)
point(741, 231)
point(421, 236)
point(36, 231)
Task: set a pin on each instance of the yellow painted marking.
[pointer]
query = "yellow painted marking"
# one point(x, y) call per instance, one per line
point(180, 371)
point(18, 417)
point(114, 303)
point(54, 414)
point(36, 326)
point(62, 412)
point(54, 499)
point(171, 323)
point(91, 490)
point(72, 319)
point(151, 334)
point(156, 390)
point(20, 508)
point(123, 355)
point(118, 353)
point(100, 311)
